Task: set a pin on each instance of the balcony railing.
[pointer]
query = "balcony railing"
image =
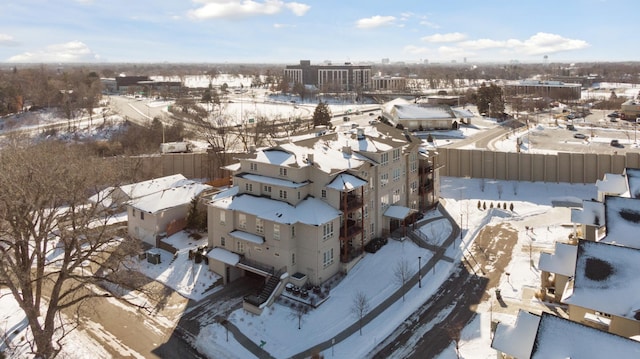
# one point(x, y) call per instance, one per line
point(352, 229)
point(351, 202)
point(256, 266)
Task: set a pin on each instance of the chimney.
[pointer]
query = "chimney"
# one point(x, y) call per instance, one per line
point(360, 134)
point(346, 150)
point(310, 158)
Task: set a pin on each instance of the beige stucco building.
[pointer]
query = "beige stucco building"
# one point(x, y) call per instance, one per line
point(303, 211)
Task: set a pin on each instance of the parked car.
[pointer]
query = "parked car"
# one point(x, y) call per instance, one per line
point(371, 114)
point(614, 114)
point(571, 127)
point(616, 143)
point(580, 136)
point(346, 118)
point(373, 122)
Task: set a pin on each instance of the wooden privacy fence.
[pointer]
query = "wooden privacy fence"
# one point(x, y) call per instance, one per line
point(562, 167)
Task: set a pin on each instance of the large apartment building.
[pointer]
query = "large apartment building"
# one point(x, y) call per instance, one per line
point(330, 77)
point(307, 208)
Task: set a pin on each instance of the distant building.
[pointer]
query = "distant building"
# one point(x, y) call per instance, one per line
point(420, 117)
point(388, 83)
point(555, 90)
point(329, 77)
point(630, 109)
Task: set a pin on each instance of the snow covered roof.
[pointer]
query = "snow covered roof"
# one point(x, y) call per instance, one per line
point(246, 236)
point(611, 183)
point(141, 189)
point(633, 181)
point(562, 261)
point(561, 338)
point(606, 279)
point(232, 167)
point(461, 112)
point(397, 212)
point(412, 111)
point(517, 340)
point(279, 157)
point(169, 198)
point(273, 181)
point(229, 192)
point(345, 182)
point(550, 336)
point(622, 217)
point(224, 256)
point(309, 211)
point(592, 213)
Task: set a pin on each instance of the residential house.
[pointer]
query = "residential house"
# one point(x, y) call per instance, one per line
point(305, 209)
point(150, 216)
point(548, 336)
point(413, 116)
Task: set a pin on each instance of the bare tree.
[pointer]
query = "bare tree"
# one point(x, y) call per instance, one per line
point(360, 307)
point(401, 272)
point(298, 311)
point(55, 246)
point(221, 138)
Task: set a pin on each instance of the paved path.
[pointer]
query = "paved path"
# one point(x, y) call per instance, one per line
point(439, 252)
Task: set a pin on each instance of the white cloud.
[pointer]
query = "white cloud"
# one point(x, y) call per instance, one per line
point(450, 37)
point(429, 24)
point(7, 40)
point(416, 50)
point(214, 9)
point(540, 43)
point(375, 21)
point(282, 26)
point(74, 51)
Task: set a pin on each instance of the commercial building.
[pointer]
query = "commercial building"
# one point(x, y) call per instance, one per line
point(330, 77)
point(555, 90)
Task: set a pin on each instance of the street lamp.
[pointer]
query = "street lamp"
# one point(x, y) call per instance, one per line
point(419, 272)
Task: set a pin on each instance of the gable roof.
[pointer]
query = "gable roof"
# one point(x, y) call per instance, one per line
point(549, 336)
point(562, 261)
point(605, 279)
point(622, 218)
point(611, 183)
point(633, 181)
point(169, 198)
point(592, 213)
point(141, 189)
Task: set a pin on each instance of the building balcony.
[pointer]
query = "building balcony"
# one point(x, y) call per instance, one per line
point(350, 203)
point(353, 228)
point(256, 267)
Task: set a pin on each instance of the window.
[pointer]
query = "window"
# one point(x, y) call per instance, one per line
point(283, 194)
point(254, 166)
point(242, 221)
point(366, 211)
point(267, 189)
point(384, 158)
point(396, 154)
point(133, 213)
point(413, 167)
point(276, 231)
point(248, 187)
point(413, 186)
point(373, 228)
point(293, 231)
point(259, 225)
point(293, 258)
point(142, 215)
point(222, 218)
point(384, 201)
point(298, 194)
point(396, 174)
point(283, 172)
point(396, 196)
point(222, 241)
point(323, 193)
point(384, 179)
point(240, 246)
point(327, 230)
point(327, 258)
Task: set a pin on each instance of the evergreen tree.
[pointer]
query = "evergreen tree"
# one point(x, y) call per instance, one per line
point(322, 115)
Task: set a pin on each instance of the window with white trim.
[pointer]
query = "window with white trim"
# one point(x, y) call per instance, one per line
point(413, 186)
point(384, 179)
point(327, 230)
point(396, 196)
point(222, 241)
point(396, 154)
point(396, 174)
point(240, 246)
point(327, 258)
point(223, 216)
point(253, 166)
point(384, 158)
point(384, 201)
point(248, 187)
point(283, 172)
point(242, 221)
point(267, 189)
point(293, 231)
point(293, 258)
point(259, 225)
point(283, 194)
point(323, 193)
point(276, 231)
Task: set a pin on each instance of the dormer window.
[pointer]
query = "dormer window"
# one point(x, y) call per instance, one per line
point(253, 166)
point(283, 172)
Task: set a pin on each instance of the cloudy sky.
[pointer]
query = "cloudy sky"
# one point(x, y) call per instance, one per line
point(283, 31)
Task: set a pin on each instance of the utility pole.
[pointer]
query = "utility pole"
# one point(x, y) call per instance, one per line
point(419, 272)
